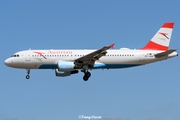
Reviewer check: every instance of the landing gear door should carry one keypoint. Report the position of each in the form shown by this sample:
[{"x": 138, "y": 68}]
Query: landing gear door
[{"x": 28, "y": 56}]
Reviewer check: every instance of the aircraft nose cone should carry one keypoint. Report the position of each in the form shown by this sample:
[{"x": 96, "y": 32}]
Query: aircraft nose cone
[{"x": 7, "y": 62}]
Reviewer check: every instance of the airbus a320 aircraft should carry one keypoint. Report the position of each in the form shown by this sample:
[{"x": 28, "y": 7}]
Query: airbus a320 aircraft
[{"x": 68, "y": 62}]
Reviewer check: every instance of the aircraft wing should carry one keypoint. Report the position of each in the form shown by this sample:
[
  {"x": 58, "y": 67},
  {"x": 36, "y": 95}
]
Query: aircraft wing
[
  {"x": 165, "y": 53},
  {"x": 90, "y": 58}
]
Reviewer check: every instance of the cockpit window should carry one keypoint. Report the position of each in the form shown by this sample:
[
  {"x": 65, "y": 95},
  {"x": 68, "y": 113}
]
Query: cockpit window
[{"x": 15, "y": 55}]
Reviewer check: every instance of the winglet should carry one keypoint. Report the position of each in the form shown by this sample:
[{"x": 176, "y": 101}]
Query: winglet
[{"x": 112, "y": 46}]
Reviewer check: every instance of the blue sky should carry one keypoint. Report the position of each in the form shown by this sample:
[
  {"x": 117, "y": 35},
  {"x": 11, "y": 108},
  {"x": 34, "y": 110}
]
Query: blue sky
[{"x": 149, "y": 92}]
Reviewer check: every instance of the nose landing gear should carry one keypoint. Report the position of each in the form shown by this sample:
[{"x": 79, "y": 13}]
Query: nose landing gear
[{"x": 28, "y": 72}]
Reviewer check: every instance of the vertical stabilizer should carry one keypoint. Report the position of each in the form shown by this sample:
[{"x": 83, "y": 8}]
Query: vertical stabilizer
[{"x": 161, "y": 39}]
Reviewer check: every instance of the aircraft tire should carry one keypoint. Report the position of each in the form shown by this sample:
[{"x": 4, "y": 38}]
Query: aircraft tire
[
  {"x": 85, "y": 78},
  {"x": 88, "y": 74},
  {"x": 27, "y": 76}
]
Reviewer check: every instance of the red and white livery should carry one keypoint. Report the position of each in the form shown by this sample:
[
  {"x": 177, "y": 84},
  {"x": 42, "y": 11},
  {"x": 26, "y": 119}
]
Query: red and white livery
[{"x": 68, "y": 62}]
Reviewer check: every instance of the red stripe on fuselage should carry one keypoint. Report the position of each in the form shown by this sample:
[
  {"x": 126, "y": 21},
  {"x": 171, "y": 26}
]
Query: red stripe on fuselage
[{"x": 154, "y": 46}]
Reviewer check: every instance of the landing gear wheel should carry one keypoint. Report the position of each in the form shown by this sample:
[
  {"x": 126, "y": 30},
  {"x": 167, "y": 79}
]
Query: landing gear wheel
[
  {"x": 28, "y": 72},
  {"x": 85, "y": 78},
  {"x": 88, "y": 74},
  {"x": 27, "y": 76}
]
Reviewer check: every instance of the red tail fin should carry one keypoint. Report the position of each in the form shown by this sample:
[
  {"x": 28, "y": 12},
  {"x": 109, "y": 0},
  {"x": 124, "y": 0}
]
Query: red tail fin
[{"x": 161, "y": 39}]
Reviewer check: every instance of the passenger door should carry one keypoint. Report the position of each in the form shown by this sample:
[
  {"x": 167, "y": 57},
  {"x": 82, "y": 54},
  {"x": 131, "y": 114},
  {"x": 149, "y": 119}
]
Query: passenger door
[{"x": 28, "y": 56}]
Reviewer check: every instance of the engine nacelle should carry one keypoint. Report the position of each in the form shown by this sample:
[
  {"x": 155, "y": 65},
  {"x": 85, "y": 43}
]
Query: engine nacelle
[
  {"x": 65, "y": 73},
  {"x": 65, "y": 66}
]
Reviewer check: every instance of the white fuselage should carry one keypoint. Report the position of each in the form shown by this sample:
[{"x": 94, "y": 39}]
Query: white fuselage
[
  {"x": 68, "y": 62},
  {"x": 48, "y": 59}
]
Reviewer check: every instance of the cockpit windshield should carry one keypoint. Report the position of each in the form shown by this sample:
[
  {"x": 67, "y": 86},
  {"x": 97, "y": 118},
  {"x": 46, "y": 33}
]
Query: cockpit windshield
[{"x": 15, "y": 55}]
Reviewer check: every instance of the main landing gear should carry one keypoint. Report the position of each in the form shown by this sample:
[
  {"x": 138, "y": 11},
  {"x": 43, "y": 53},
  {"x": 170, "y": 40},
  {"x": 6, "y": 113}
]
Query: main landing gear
[
  {"x": 28, "y": 72},
  {"x": 86, "y": 75}
]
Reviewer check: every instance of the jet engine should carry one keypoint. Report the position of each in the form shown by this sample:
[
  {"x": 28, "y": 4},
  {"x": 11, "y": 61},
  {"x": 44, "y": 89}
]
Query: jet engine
[
  {"x": 65, "y": 66},
  {"x": 65, "y": 73}
]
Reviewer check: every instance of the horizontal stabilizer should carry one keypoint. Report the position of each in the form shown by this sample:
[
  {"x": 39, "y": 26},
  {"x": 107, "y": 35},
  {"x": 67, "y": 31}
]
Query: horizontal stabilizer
[{"x": 164, "y": 53}]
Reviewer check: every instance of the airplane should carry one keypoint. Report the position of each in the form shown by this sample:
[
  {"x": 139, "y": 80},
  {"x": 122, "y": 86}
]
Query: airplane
[{"x": 68, "y": 62}]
